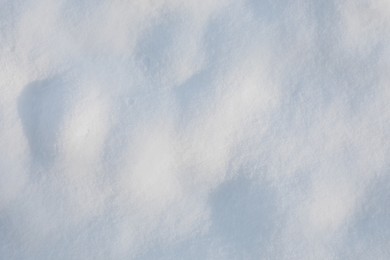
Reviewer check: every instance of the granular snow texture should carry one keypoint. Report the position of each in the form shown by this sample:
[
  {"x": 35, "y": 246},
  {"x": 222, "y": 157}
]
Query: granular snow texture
[{"x": 194, "y": 129}]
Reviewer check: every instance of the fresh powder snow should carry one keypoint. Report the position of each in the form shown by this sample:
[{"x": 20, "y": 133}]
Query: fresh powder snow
[{"x": 194, "y": 129}]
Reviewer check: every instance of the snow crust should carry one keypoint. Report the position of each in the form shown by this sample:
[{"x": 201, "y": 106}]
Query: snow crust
[{"x": 215, "y": 129}]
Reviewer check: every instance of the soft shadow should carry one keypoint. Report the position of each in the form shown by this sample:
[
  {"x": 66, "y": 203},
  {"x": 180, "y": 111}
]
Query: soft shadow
[
  {"x": 243, "y": 215},
  {"x": 41, "y": 107}
]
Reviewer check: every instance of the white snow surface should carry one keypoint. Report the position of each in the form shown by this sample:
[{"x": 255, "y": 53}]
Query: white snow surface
[{"x": 194, "y": 129}]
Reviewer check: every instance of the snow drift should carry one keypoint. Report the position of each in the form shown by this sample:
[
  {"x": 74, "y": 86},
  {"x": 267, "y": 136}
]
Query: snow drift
[{"x": 218, "y": 129}]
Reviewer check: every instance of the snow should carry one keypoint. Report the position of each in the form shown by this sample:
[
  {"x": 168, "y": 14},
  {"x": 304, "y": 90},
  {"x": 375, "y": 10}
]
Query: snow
[{"x": 216, "y": 129}]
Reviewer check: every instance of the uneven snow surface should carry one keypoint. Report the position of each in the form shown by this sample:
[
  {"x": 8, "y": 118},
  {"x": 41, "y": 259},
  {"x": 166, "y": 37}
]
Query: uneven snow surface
[{"x": 194, "y": 129}]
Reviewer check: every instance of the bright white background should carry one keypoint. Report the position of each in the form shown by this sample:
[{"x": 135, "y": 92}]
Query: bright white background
[{"x": 212, "y": 129}]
